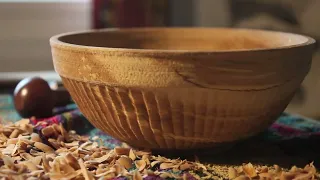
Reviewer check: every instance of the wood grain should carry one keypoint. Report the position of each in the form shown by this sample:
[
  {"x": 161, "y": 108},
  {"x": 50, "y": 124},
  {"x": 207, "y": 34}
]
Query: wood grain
[{"x": 181, "y": 88}]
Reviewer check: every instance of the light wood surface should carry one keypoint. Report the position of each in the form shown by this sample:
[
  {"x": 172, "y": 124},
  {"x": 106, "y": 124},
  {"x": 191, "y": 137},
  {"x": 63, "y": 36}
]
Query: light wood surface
[{"x": 181, "y": 88}]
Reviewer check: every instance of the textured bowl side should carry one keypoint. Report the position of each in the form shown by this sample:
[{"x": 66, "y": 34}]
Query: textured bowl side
[
  {"x": 181, "y": 99},
  {"x": 181, "y": 118}
]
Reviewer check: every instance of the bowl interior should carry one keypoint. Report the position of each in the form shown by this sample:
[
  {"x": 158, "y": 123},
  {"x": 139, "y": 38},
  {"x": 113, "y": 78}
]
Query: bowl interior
[{"x": 203, "y": 39}]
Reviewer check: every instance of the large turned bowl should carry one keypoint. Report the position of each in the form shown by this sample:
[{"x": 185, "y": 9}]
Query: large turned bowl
[{"x": 181, "y": 88}]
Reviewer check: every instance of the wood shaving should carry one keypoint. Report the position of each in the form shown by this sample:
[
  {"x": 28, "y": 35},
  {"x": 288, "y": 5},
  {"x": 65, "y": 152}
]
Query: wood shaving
[{"x": 58, "y": 154}]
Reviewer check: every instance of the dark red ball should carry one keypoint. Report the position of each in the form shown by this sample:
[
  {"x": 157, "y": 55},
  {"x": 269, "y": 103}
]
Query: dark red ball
[{"x": 33, "y": 97}]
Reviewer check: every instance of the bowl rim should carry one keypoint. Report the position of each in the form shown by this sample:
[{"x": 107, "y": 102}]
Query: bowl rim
[{"x": 56, "y": 42}]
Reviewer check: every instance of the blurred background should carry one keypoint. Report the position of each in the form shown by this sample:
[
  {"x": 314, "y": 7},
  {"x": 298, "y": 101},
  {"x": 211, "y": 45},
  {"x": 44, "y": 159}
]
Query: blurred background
[{"x": 27, "y": 25}]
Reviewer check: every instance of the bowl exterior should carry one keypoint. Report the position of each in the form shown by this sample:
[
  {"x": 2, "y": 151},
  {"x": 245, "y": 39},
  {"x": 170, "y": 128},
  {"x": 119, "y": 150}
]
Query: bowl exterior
[
  {"x": 181, "y": 118},
  {"x": 181, "y": 100}
]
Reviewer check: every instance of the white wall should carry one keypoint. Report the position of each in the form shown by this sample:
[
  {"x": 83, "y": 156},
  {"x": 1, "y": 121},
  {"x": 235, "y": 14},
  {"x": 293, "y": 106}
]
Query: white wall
[{"x": 26, "y": 26}]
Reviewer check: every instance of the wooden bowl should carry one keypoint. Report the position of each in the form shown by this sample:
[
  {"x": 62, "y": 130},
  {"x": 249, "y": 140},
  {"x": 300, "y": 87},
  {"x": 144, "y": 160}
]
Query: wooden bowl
[{"x": 181, "y": 88}]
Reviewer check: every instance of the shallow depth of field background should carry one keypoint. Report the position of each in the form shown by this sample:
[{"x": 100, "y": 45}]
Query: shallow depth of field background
[{"x": 26, "y": 26}]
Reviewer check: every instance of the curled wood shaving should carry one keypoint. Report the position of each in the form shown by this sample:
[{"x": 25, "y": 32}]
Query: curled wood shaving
[
  {"x": 232, "y": 173},
  {"x": 249, "y": 170},
  {"x": 15, "y": 133},
  {"x": 137, "y": 176},
  {"x": 35, "y": 137},
  {"x": 49, "y": 131},
  {"x": 141, "y": 164},
  {"x": 167, "y": 165},
  {"x": 45, "y": 163},
  {"x": 59, "y": 154},
  {"x": 36, "y": 160},
  {"x": 31, "y": 166},
  {"x": 72, "y": 161},
  {"x": 8, "y": 162},
  {"x": 122, "y": 151},
  {"x": 132, "y": 155},
  {"x": 126, "y": 162},
  {"x": 86, "y": 174},
  {"x": 43, "y": 147}
]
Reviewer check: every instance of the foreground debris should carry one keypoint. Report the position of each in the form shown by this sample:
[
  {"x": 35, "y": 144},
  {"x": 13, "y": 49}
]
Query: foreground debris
[{"x": 54, "y": 153}]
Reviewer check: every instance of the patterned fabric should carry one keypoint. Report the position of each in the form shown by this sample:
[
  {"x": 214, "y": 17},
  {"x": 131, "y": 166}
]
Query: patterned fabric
[
  {"x": 291, "y": 126},
  {"x": 7, "y": 110},
  {"x": 286, "y": 127}
]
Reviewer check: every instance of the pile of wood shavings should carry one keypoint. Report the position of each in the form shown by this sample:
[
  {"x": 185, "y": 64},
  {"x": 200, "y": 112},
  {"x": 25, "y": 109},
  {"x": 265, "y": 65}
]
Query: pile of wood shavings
[{"x": 55, "y": 153}]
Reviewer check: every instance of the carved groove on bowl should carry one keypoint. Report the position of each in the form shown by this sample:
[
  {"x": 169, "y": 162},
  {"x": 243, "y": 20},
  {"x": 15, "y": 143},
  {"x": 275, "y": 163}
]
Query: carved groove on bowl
[{"x": 178, "y": 119}]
